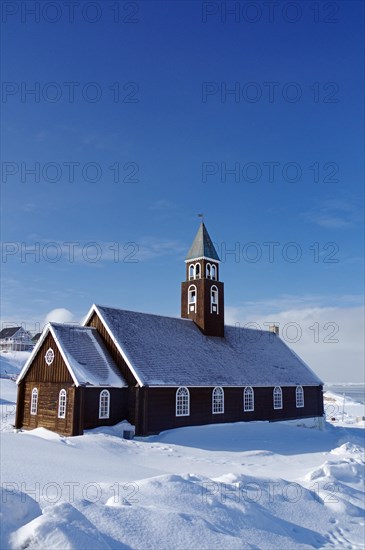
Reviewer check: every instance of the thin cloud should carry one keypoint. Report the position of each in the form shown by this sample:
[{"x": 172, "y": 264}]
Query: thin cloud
[
  {"x": 333, "y": 214},
  {"x": 96, "y": 253},
  {"x": 329, "y": 339},
  {"x": 151, "y": 248}
]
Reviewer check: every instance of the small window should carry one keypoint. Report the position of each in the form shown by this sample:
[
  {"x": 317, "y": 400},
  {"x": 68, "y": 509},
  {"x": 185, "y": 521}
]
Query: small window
[
  {"x": 62, "y": 404},
  {"x": 218, "y": 401},
  {"x": 208, "y": 271},
  {"x": 197, "y": 271},
  {"x": 192, "y": 299},
  {"x": 299, "y": 397},
  {"x": 214, "y": 272},
  {"x": 191, "y": 271},
  {"x": 104, "y": 404},
  {"x": 182, "y": 402},
  {"x": 278, "y": 398},
  {"x": 49, "y": 357},
  {"x": 248, "y": 399},
  {"x": 214, "y": 299},
  {"x": 34, "y": 401}
]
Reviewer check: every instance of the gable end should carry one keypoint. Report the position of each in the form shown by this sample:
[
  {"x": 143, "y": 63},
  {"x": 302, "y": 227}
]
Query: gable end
[
  {"x": 37, "y": 369},
  {"x": 94, "y": 319}
]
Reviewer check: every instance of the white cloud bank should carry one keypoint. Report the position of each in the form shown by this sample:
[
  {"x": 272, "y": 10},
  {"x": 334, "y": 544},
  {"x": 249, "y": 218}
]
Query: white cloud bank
[
  {"x": 329, "y": 339},
  {"x": 59, "y": 315}
]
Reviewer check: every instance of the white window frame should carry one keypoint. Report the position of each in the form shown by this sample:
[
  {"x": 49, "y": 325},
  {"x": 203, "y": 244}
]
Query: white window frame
[
  {"x": 62, "y": 403},
  {"x": 197, "y": 273},
  {"x": 49, "y": 356},
  {"x": 192, "y": 304},
  {"x": 248, "y": 399},
  {"x": 278, "y": 398},
  {"x": 208, "y": 271},
  {"x": 182, "y": 404},
  {"x": 104, "y": 410},
  {"x": 218, "y": 400},
  {"x": 191, "y": 272},
  {"x": 214, "y": 289},
  {"x": 34, "y": 402},
  {"x": 299, "y": 397},
  {"x": 214, "y": 272}
]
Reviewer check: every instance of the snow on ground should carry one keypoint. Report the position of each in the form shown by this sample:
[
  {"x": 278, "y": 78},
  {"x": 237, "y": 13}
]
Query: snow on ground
[
  {"x": 257, "y": 485},
  {"x": 343, "y": 410},
  {"x": 11, "y": 363}
]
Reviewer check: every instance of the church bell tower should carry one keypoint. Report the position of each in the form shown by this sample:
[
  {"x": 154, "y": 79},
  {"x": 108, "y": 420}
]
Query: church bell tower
[{"x": 202, "y": 294}]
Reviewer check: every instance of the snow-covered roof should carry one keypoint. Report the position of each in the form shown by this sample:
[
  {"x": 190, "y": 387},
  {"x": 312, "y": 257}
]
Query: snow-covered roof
[
  {"x": 202, "y": 246},
  {"x": 85, "y": 355},
  {"x": 9, "y": 332},
  {"x": 164, "y": 351}
]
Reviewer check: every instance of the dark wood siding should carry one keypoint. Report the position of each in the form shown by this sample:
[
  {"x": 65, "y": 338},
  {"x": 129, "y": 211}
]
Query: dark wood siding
[
  {"x": 119, "y": 401},
  {"x": 19, "y": 414},
  {"x": 160, "y": 407},
  {"x": 47, "y": 412},
  {"x": 49, "y": 381},
  {"x": 56, "y": 372},
  {"x": 94, "y": 321}
]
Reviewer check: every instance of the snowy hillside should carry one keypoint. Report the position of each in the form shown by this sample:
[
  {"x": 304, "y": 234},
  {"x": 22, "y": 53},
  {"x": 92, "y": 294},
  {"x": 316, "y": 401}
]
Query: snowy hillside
[
  {"x": 11, "y": 363},
  {"x": 257, "y": 485}
]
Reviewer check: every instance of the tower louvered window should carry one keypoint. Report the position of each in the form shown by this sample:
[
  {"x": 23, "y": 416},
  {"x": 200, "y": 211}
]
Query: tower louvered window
[
  {"x": 192, "y": 299},
  {"x": 214, "y": 299}
]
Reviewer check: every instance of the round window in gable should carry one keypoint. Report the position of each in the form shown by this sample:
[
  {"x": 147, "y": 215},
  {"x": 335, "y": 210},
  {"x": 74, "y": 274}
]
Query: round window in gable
[{"x": 49, "y": 356}]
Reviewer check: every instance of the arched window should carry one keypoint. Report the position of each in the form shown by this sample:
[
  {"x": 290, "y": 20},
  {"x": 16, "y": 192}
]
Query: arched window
[
  {"x": 214, "y": 299},
  {"x": 34, "y": 401},
  {"x": 208, "y": 271},
  {"x": 197, "y": 271},
  {"x": 62, "y": 404},
  {"x": 248, "y": 399},
  {"x": 278, "y": 398},
  {"x": 192, "y": 298},
  {"x": 191, "y": 271},
  {"x": 104, "y": 404},
  {"x": 182, "y": 402},
  {"x": 214, "y": 272},
  {"x": 299, "y": 397},
  {"x": 218, "y": 401}
]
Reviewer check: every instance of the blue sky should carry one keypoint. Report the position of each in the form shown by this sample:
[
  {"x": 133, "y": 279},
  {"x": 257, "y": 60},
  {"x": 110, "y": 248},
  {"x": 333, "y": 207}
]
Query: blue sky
[{"x": 161, "y": 114}]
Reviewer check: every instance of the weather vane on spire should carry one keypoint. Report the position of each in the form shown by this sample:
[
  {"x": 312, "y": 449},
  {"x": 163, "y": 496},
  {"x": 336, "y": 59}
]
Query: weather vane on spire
[{"x": 201, "y": 216}]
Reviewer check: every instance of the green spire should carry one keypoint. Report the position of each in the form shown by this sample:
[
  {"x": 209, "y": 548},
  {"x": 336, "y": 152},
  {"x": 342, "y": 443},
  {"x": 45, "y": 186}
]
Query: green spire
[{"x": 202, "y": 246}]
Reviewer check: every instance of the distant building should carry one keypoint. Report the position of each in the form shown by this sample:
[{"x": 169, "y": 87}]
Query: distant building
[
  {"x": 36, "y": 338},
  {"x": 161, "y": 372},
  {"x": 15, "y": 339}
]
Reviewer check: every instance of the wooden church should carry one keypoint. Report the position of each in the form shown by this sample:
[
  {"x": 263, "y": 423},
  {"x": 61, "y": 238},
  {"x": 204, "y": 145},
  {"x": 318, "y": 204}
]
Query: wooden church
[{"x": 161, "y": 372}]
